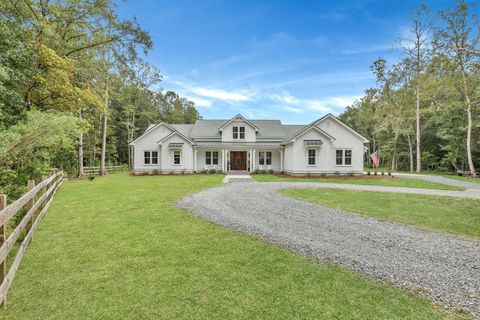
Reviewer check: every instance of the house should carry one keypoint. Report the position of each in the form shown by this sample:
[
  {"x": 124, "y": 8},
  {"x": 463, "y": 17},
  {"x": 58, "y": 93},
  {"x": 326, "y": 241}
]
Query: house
[{"x": 325, "y": 146}]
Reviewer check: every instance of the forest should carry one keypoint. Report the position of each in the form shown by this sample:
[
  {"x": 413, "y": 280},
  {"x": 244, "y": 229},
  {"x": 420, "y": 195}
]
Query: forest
[
  {"x": 75, "y": 88},
  {"x": 423, "y": 113}
]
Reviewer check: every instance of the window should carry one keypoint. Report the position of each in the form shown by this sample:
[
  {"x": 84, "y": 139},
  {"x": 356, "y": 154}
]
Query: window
[
  {"x": 211, "y": 157},
  {"x": 261, "y": 158},
  {"x": 235, "y": 132},
  {"x": 312, "y": 157},
  {"x": 150, "y": 157},
  {"x": 265, "y": 158},
  {"x": 242, "y": 132},
  {"x": 176, "y": 157},
  {"x": 343, "y": 157},
  {"x": 348, "y": 157},
  {"x": 238, "y": 132},
  {"x": 339, "y": 157}
]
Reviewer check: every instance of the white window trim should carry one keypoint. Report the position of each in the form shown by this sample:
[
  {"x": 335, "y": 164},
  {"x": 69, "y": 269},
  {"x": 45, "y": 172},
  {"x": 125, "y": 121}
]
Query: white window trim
[
  {"x": 265, "y": 158},
  {"x": 173, "y": 158},
  {"x": 343, "y": 158},
  {"x": 212, "y": 157},
  {"x": 151, "y": 164},
  {"x": 238, "y": 133},
  {"x": 316, "y": 157}
]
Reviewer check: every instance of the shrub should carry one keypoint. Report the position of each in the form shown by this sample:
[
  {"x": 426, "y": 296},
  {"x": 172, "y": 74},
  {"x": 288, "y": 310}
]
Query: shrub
[
  {"x": 368, "y": 173},
  {"x": 270, "y": 171},
  {"x": 212, "y": 171},
  {"x": 389, "y": 173},
  {"x": 383, "y": 173},
  {"x": 375, "y": 172},
  {"x": 91, "y": 177},
  {"x": 155, "y": 171}
]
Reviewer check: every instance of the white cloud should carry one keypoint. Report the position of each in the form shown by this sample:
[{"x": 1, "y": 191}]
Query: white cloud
[
  {"x": 200, "y": 102},
  {"x": 220, "y": 94},
  {"x": 327, "y": 104}
]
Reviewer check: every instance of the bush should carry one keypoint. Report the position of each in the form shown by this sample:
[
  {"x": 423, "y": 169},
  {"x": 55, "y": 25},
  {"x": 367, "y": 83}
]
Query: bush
[
  {"x": 389, "y": 173},
  {"x": 368, "y": 173},
  {"x": 270, "y": 171},
  {"x": 155, "y": 171},
  {"x": 212, "y": 171},
  {"x": 375, "y": 173},
  {"x": 383, "y": 173},
  {"x": 91, "y": 177}
]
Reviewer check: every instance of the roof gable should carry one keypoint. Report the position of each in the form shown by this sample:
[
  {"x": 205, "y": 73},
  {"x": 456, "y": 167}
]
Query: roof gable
[
  {"x": 341, "y": 123},
  {"x": 237, "y": 118},
  {"x": 150, "y": 129},
  {"x": 307, "y": 128}
]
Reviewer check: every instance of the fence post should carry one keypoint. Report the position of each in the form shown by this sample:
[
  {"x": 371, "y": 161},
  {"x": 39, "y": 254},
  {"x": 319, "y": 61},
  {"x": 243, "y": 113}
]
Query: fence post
[
  {"x": 42, "y": 192},
  {"x": 3, "y": 236},
  {"x": 29, "y": 205}
]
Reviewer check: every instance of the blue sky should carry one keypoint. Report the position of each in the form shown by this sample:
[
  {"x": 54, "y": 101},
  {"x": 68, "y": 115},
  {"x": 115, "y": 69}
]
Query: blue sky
[{"x": 288, "y": 60}]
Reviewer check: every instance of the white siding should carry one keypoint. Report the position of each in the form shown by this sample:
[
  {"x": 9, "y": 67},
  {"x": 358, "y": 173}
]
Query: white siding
[
  {"x": 296, "y": 154},
  {"x": 186, "y": 158},
  {"x": 149, "y": 142},
  {"x": 201, "y": 165},
  {"x": 275, "y": 166},
  {"x": 227, "y": 132}
]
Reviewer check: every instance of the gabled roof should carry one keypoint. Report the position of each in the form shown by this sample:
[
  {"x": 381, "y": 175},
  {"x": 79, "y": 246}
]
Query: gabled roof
[
  {"x": 267, "y": 130},
  {"x": 235, "y": 118},
  {"x": 306, "y": 128},
  {"x": 174, "y": 132},
  {"x": 331, "y": 116}
]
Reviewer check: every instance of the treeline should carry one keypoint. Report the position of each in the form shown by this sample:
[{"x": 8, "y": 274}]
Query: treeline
[
  {"x": 423, "y": 113},
  {"x": 74, "y": 89}
]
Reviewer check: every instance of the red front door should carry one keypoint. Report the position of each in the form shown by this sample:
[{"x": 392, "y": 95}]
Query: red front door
[{"x": 238, "y": 160}]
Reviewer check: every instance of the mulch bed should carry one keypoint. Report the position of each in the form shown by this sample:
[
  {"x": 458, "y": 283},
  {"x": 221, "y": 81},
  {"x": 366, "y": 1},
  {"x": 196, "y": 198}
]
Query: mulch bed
[{"x": 364, "y": 176}]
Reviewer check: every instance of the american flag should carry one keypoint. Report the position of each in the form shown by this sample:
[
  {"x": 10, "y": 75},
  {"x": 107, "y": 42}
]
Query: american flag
[{"x": 375, "y": 159}]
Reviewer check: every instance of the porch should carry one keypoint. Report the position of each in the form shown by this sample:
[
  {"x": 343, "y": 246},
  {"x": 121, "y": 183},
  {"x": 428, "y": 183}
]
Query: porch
[{"x": 238, "y": 160}]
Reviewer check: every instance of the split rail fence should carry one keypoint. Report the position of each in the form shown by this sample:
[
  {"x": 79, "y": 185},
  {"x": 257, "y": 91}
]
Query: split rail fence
[
  {"x": 36, "y": 202},
  {"x": 96, "y": 170}
]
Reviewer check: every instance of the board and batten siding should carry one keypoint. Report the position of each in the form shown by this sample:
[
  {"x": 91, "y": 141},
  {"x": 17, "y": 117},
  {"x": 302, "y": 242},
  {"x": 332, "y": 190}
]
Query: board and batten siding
[
  {"x": 149, "y": 142},
  {"x": 227, "y": 135}
]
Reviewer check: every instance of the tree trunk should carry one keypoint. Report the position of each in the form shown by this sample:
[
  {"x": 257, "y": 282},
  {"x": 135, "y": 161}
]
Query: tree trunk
[
  {"x": 469, "y": 126},
  {"x": 104, "y": 133},
  {"x": 80, "y": 151},
  {"x": 104, "y": 145},
  {"x": 130, "y": 134},
  {"x": 418, "y": 136},
  {"x": 410, "y": 150}
]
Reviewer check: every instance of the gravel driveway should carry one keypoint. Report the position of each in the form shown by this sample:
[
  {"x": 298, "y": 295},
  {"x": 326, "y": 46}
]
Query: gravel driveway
[{"x": 446, "y": 268}]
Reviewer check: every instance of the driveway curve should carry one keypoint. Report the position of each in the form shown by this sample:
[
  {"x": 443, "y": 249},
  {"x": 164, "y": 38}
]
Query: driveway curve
[{"x": 445, "y": 268}]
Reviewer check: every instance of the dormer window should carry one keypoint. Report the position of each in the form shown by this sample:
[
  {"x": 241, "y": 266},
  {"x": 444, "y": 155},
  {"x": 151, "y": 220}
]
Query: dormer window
[{"x": 238, "y": 132}]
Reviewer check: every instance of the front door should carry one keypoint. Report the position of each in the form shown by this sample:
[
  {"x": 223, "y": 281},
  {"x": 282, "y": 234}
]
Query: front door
[{"x": 238, "y": 160}]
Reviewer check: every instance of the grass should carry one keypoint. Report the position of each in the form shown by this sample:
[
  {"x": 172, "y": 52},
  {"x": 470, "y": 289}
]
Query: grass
[
  {"x": 466, "y": 179},
  {"x": 118, "y": 248},
  {"x": 390, "y": 182},
  {"x": 448, "y": 214}
]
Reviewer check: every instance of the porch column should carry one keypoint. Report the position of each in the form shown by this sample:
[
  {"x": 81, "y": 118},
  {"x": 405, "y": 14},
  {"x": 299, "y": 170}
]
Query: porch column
[
  {"x": 281, "y": 159},
  {"x": 195, "y": 160},
  {"x": 223, "y": 159}
]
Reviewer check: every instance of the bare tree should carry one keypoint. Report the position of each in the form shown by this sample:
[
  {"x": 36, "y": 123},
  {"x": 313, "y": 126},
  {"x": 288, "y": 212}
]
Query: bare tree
[{"x": 418, "y": 49}]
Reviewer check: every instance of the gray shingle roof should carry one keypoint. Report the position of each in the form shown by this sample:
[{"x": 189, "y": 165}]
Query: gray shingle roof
[{"x": 209, "y": 129}]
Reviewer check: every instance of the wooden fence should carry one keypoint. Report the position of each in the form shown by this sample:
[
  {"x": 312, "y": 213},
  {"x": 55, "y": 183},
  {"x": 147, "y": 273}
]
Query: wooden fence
[
  {"x": 96, "y": 170},
  {"x": 36, "y": 201}
]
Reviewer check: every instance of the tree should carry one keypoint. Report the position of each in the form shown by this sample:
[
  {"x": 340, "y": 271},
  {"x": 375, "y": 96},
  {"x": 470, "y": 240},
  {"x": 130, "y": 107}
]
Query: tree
[
  {"x": 455, "y": 38},
  {"x": 418, "y": 50}
]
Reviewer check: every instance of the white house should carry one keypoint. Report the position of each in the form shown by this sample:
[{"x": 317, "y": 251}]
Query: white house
[{"x": 325, "y": 146}]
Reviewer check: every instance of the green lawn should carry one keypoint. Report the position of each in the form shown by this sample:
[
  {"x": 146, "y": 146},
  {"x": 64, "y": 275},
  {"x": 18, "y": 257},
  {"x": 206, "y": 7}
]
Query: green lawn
[
  {"x": 118, "y": 248},
  {"x": 390, "y": 182},
  {"x": 466, "y": 179},
  {"x": 454, "y": 215}
]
